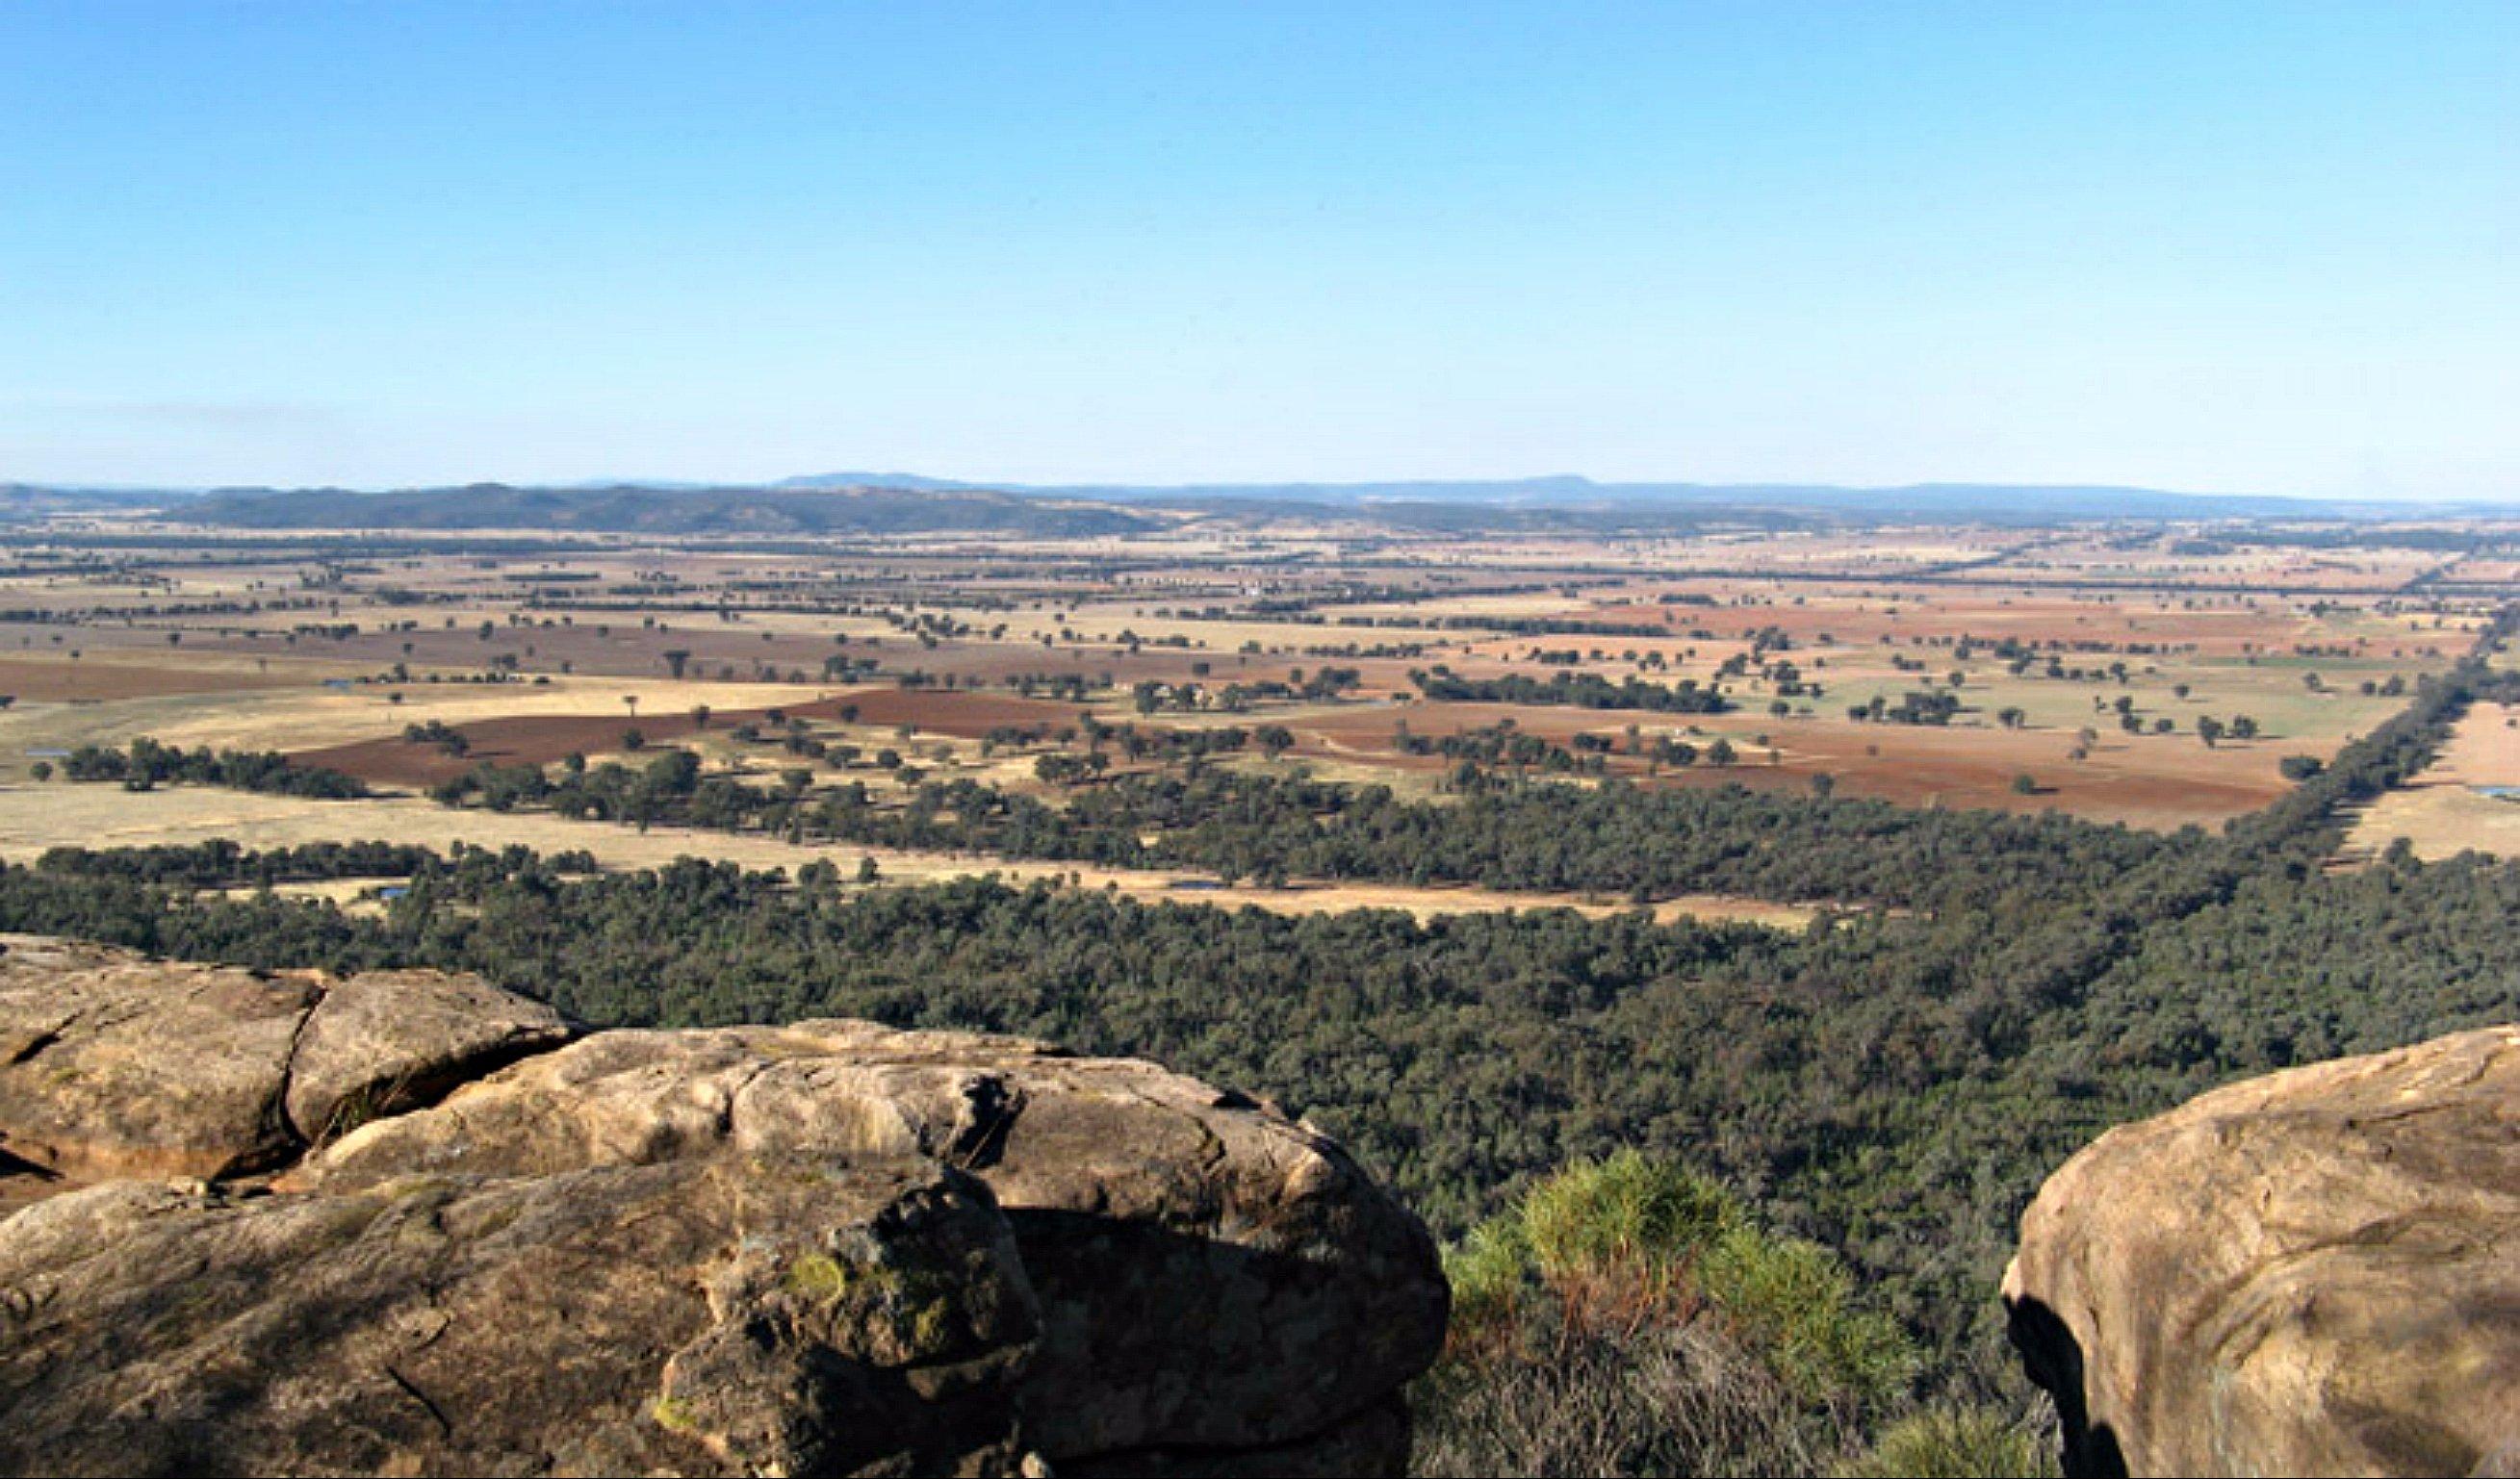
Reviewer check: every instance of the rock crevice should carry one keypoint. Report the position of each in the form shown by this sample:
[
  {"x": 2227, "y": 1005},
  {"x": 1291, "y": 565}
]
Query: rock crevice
[{"x": 123, "y": 1066}]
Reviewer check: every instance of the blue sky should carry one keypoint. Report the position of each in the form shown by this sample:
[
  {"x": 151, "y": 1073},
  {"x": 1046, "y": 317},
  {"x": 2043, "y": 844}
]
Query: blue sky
[{"x": 2216, "y": 247}]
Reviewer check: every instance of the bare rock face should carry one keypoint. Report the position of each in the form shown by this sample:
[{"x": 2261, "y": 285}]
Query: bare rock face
[
  {"x": 823, "y": 1248},
  {"x": 387, "y": 1041},
  {"x": 1211, "y": 1275},
  {"x": 2311, "y": 1272},
  {"x": 113, "y": 1064},
  {"x": 683, "y": 1317}
]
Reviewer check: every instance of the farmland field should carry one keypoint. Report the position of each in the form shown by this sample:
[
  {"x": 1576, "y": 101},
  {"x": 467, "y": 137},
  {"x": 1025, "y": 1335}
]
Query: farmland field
[
  {"x": 2467, "y": 799},
  {"x": 2158, "y": 677}
]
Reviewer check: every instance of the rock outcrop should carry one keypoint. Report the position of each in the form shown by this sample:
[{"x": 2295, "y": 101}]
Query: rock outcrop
[
  {"x": 2310, "y": 1273},
  {"x": 629, "y": 1320},
  {"x": 823, "y": 1248},
  {"x": 116, "y": 1065}
]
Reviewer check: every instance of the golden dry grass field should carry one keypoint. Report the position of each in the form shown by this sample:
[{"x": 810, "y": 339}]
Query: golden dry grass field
[{"x": 2453, "y": 806}]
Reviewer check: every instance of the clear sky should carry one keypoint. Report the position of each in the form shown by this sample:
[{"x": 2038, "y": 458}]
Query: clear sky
[{"x": 2210, "y": 247}]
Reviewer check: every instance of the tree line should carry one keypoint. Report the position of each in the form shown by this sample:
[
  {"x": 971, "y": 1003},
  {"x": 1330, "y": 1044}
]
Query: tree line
[
  {"x": 146, "y": 764},
  {"x": 1588, "y": 691}
]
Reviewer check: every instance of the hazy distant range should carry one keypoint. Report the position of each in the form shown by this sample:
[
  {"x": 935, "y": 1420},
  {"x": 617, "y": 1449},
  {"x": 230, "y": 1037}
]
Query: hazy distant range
[{"x": 886, "y": 503}]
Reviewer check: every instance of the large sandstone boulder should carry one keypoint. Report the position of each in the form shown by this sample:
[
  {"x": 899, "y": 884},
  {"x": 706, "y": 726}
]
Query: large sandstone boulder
[
  {"x": 693, "y": 1317},
  {"x": 2312, "y": 1272},
  {"x": 1211, "y": 1275},
  {"x": 823, "y": 1248},
  {"x": 387, "y": 1041},
  {"x": 113, "y": 1064}
]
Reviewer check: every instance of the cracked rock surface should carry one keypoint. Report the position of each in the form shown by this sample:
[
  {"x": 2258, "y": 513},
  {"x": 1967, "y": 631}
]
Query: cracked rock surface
[
  {"x": 113, "y": 1064},
  {"x": 823, "y": 1248},
  {"x": 2311, "y": 1272}
]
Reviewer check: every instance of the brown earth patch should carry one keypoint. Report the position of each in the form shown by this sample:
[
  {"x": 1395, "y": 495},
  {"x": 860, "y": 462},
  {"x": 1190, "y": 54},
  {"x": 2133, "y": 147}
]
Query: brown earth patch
[
  {"x": 942, "y": 711},
  {"x": 546, "y": 738},
  {"x": 61, "y": 681},
  {"x": 2161, "y": 783}
]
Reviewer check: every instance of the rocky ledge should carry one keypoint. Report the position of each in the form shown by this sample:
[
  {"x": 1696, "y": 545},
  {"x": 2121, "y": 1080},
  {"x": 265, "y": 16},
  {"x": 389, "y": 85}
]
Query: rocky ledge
[
  {"x": 415, "y": 1230},
  {"x": 2304, "y": 1274}
]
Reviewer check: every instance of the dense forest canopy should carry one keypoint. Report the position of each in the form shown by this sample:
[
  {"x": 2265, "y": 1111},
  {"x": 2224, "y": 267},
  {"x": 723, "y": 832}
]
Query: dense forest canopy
[{"x": 1499, "y": 834}]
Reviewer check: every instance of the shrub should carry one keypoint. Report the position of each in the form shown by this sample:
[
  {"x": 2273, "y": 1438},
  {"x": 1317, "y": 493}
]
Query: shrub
[
  {"x": 1799, "y": 1304},
  {"x": 1957, "y": 1443},
  {"x": 1626, "y": 1216},
  {"x": 1628, "y": 1316}
]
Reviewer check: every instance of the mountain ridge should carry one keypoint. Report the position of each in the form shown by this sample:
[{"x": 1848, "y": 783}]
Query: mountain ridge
[{"x": 868, "y": 501}]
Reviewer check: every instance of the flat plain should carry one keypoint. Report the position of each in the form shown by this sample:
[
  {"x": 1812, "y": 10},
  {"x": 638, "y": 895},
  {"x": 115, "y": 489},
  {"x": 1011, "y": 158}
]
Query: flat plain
[{"x": 2157, "y": 675}]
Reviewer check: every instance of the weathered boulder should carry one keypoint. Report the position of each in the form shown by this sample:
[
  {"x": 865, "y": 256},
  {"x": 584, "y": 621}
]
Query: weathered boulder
[
  {"x": 1211, "y": 1275},
  {"x": 823, "y": 1248},
  {"x": 114, "y": 1065},
  {"x": 385, "y": 1041},
  {"x": 693, "y": 1317},
  {"x": 2311, "y": 1272}
]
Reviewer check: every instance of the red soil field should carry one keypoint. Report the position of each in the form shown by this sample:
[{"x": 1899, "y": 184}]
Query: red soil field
[
  {"x": 66, "y": 682},
  {"x": 942, "y": 711},
  {"x": 544, "y": 738},
  {"x": 527, "y": 739},
  {"x": 2162, "y": 785}
]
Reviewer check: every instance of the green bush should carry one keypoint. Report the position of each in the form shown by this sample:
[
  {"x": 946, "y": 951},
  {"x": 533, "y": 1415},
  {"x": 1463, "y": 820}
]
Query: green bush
[
  {"x": 1627, "y": 1213},
  {"x": 1630, "y": 1317},
  {"x": 1798, "y": 1304},
  {"x": 1957, "y": 1443}
]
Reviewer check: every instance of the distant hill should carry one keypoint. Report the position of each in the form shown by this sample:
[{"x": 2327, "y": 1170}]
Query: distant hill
[
  {"x": 909, "y": 503},
  {"x": 829, "y": 506},
  {"x": 643, "y": 509},
  {"x": 2014, "y": 503},
  {"x": 41, "y": 500}
]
